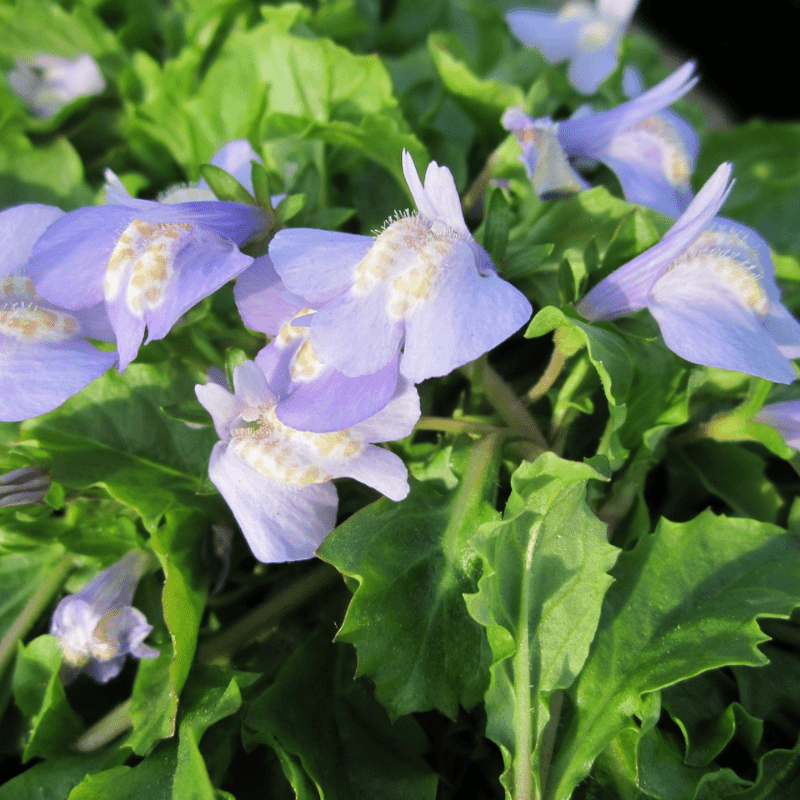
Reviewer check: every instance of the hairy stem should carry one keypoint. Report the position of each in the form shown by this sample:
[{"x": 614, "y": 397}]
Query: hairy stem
[
  {"x": 450, "y": 425},
  {"x": 116, "y": 722},
  {"x": 551, "y": 373}
]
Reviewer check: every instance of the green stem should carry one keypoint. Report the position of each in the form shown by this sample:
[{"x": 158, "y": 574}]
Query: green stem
[
  {"x": 478, "y": 188},
  {"x": 507, "y": 404},
  {"x": 450, "y": 425},
  {"x": 551, "y": 373},
  {"x": 37, "y": 603},
  {"x": 113, "y": 724},
  {"x": 257, "y": 622}
]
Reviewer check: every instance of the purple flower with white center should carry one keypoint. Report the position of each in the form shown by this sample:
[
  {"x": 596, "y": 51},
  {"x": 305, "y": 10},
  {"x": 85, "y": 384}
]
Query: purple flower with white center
[
  {"x": 785, "y": 418},
  {"x": 98, "y": 628},
  {"x": 150, "y": 262},
  {"x": 48, "y": 83},
  {"x": 587, "y": 35},
  {"x": 423, "y": 285},
  {"x": 311, "y": 395},
  {"x": 710, "y": 284},
  {"x": 651, "y": 152},
  {"x": 276, "y": 479},
  {"x": 44, "y": 358}
]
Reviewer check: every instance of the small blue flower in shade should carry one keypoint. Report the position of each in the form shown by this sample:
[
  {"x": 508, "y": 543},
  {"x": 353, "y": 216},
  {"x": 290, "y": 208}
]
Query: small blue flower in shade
[
  {"x": 98, "y": 628},
  {"x": 311, "y": 396},
  {"x": 44, "y": 358},
  {"x": 710, "y": 284},
  {"x": 423, "y": 285},
  {"x": 277, "y": 480},
  {"x": 586, "y": 35},
  {"x": 785, "y": 418},
  {"x": 48, "y": 83},
  {"x": 652, "y": 152},
  {"x": 149, "y": 261}
]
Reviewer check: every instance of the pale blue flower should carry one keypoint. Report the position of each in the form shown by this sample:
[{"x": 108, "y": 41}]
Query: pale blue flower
[
  {"x": 98, "y": 628},
  {"x": 710, "y": 284},
  {"x": 423, "y": 285},
  {"x": 585, "y": 34},
  {"x": 48, "y": 82},
  {"x": 311, "y": 396},
  {"x": 148, "y": 261},
  {"x": 277, "y": 480},
  {"x": 44, "y": 355},
  {"x": 652, "y": 152},
  {"x": 785, "y": 418}
]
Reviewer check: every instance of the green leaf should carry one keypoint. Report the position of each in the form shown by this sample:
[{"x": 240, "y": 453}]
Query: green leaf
[
  {"x": 685, "y": 600},
  {"x": 644, "y": 382},
  {"x": 40, "y": 695},
  {"x": 766, "y": 194},
  {"x": 496, "y": 226},
  {"x": 55, "y": 778},
  {"x": 486, "y": 99},
  {"x": 329, "y": 730},
  {"x": 225, "y": 186},
  {"x": 413, "y": 561},
  {"x": 735, "y": 475},
  {"x": 113, "y": 434},
  {"x": 546, "y": 571},
  {"x": 51, "y": 174},
  {"x": 154, "y": 708}
]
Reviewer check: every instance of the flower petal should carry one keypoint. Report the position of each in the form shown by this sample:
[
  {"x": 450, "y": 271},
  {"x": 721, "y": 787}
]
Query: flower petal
[
  {"x": 466, "y": 315},
  {"x": 317, "y": 265},
  {"x": 263, "y": 301},
  {"x": 281, "y": 521},
  {"x": 705, "y": 322},
  {"x": 20, "y": 227}
]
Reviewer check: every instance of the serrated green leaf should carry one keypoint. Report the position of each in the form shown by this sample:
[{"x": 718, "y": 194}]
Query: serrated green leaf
[
  {"x": 414, "y": 562},
  {"x": 685, "y": 600},
  {"x": 317, "y": 716},
  {"x": 545, "y": 574}
]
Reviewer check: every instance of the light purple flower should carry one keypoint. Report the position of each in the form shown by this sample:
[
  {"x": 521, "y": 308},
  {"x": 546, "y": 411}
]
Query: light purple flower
[
  {"x": 97, "y": 627},
  {"x": 48, "y": 83},
  {"x": 150, "y": 262},
  {"x": 311, "y": 396},
  {"x": 651, "y": 152},
  {"x": 587, "y": 35},
  {"x": 44, "y": 358},
  {"x": 710, "y": 284},
  {"x": 423, "y": 285},
  {"x": 276, "y": 479},
  {"x": 785, "y": 418}
]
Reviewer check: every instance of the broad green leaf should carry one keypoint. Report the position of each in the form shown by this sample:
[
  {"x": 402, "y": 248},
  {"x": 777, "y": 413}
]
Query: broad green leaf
[
  {"x": 177, "y": 543},
  {"x": 766, "y": 194},
  {"x": 702, "y": 709},
  {"x": 55, "y": 778},
  {"x": 40, "y": 695},
  {"x": 487, "y": 99},
  {"x": 770, "y": 691},
  {"x": 685, "y": 600},
  {"x": 114, "y": 435},
  {"x": 414, "y": 561},
  {"x": 545, "y": 574},
  {"x": 51, "y": 174},
  {"x": 330, "y": 731},
  {"x": 735, "y": 475}
]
